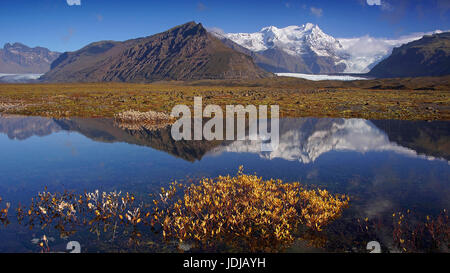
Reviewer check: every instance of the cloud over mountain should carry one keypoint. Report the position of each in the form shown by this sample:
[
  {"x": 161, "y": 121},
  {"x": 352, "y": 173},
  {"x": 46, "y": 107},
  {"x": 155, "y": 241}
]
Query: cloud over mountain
[{"x": 316, "y": 11}]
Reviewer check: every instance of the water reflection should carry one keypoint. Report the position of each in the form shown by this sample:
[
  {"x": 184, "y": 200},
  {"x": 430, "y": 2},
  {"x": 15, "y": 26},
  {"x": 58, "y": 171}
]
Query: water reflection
[
  {"x": 384, "y": 165},
  {"x": 21, "y": 128},
  {"x": 301, "y": 139},
  {"x": 307, "y": 139}
]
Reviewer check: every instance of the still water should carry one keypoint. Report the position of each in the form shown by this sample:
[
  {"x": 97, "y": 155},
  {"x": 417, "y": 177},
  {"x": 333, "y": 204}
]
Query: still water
[{"x": 385, "y": 166}]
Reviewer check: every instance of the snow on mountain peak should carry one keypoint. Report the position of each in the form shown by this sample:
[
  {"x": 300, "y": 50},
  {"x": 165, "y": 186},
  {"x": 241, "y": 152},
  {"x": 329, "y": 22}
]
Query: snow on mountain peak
[
  {"x": 309, "y": 26},
  {"x": 294, "y": 40}
]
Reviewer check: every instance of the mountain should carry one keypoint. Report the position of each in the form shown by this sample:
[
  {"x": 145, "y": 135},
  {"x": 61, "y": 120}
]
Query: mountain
[
  {"x": 366, "y": 51},
  {"x": 429, "y": 56},
  {"x": 185, "y": 52},
  {"x": 307, "y": 49},
  {"x": 297, "y": 49},
  {"x": 20, "y": 59}
]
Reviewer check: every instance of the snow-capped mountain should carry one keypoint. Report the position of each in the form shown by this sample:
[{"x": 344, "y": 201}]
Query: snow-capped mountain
[
  {"x": 312, "y": 49},
  {"x": 307, "y": 49},
  {"x": 294, "y": 40}
]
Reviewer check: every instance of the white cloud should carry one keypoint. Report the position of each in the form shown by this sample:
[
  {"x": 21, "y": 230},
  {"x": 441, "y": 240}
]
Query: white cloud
[
  {"x": 73, "y": 2},
  {"x": 384, "y": 5},
  {"x": 374, "y": 2},
  {"x": 316, "y": 11}
]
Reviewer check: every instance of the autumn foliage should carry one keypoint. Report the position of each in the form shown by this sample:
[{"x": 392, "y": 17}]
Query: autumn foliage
[{"x": 247, "y": 212}]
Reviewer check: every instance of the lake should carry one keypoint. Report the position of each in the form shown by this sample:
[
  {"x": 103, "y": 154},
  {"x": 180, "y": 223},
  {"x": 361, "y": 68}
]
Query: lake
[{"x": 385, "y": 166}]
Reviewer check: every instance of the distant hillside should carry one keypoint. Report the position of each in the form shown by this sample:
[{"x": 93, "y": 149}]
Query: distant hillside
[
  {"x": 429, "y": 56},
  {"x": 185, "y": 52},
  {"x": 20, "y": 59}
]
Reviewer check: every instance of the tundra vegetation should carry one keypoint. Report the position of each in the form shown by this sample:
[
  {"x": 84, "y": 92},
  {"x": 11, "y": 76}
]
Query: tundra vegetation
[
  {"x": 409, "y": 231},
  {"x": 135, "y": 120},
  {"x": 247, "y": 212},
  {"x": 406, "y": 99}
]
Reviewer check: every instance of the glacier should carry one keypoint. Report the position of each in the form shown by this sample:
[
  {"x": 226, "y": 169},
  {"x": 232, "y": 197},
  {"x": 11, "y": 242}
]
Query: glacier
[
  {"x": 18, "y": 78},
  {"x": 316, "y": 77}
]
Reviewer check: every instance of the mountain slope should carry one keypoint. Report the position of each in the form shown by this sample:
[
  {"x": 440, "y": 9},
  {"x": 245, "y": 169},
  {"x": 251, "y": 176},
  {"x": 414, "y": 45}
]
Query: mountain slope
[
  {"x": 429, "y": 56},
  {"x": 298, "y": 49},
  {"x": 185, "y": 52},
  {"x": 20, "y": 59}
]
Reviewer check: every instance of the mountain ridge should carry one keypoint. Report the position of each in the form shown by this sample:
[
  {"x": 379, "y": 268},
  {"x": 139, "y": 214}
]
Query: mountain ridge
[
  {"x": 336, "y": 55},
  {"x": 18, "y": 58},
  {"x": 185, "y": 52},
  {"x": 429, "y": 56}
]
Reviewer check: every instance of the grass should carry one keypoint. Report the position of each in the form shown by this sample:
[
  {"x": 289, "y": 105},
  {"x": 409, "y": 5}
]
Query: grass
[{"x": 375, "y": 99}]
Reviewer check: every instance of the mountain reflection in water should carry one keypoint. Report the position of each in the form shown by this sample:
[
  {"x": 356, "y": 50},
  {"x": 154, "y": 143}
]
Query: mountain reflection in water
[
  {"x": 302, "y": 139},
  {"x": 384, "y": 165},
  {"x": 306, "y": 139}
]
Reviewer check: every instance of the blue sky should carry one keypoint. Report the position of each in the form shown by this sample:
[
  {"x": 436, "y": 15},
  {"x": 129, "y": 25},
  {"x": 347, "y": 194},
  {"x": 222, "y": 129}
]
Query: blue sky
[{"x": 66, "y": 25}]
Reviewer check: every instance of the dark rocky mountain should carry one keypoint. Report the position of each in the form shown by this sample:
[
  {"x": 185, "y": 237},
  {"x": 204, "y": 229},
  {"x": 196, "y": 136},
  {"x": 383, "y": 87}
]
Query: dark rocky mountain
[
  {"x": 429, "y": 56},
  {"x": 20, "y": 59},
  {"x": 185, "y": 52}
]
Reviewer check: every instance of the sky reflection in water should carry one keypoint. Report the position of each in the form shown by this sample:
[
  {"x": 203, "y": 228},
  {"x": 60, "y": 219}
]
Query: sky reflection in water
[{"x": 384, "y": 165}]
